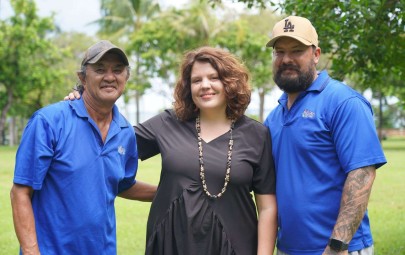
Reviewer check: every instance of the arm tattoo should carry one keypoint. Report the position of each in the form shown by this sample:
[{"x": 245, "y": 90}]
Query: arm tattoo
[{"x": 353, "y": 205}]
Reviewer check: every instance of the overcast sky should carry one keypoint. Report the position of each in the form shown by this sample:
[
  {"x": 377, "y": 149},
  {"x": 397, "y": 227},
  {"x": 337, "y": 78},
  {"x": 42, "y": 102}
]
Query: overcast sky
[{"x": 72, "y": 15}]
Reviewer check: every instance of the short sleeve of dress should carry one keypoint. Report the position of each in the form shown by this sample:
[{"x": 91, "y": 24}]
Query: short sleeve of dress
[
  {"x": 264, "y": 179},
  {"x": 147, "y": 135}
]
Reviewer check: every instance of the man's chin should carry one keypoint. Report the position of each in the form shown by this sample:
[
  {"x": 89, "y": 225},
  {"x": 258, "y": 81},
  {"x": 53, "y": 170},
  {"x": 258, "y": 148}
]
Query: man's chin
[
  {"x": 289, "y": 87},
  {"x": 288, "y": 80}
]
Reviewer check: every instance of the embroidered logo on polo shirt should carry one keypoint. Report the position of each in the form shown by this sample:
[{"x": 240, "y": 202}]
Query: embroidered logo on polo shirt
[
  {"x": 308, "y": 114},
  {"x": 121, "y": 150}
]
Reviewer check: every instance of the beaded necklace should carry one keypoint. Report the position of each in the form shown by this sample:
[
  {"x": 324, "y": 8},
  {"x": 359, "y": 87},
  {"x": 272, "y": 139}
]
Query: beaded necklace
[{"x": 201, "y": 160}]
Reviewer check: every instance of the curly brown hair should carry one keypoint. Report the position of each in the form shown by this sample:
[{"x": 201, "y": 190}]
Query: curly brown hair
[{"x": 232, "y": 73}]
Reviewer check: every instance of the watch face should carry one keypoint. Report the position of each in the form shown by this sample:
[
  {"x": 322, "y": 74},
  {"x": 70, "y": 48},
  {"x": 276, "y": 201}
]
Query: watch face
[{"x": 338, "y": 245}]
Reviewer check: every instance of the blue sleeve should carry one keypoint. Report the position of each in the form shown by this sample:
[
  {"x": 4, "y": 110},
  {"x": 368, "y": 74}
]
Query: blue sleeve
[
  {"x": 131, "y": 164},
  {"x": 355, "y": 137},
  {"x": 35, "y": 153}
]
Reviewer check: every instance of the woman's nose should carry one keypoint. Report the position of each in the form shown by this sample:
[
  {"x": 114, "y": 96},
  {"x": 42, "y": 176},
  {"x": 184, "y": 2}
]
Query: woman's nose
[{"x": 205, "y": 83}]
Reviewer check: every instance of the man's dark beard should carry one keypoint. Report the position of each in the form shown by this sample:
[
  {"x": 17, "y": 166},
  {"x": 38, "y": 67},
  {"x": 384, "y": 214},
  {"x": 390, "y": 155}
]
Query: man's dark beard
[{"x": 294, "y": 85}]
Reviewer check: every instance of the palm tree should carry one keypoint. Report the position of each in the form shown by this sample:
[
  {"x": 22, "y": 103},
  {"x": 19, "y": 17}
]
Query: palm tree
[{"x": 199, "y": 23}]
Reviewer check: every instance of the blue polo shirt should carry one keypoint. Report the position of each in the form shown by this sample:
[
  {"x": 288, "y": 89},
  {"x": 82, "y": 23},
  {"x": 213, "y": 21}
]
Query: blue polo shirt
[
  {"x": 75, "y": 177},
  {"x": 328, "y": 132}
]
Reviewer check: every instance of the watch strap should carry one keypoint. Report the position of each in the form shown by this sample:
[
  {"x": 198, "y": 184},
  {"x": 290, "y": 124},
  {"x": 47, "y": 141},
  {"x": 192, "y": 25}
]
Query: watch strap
[{"x": 338, "y": 245}]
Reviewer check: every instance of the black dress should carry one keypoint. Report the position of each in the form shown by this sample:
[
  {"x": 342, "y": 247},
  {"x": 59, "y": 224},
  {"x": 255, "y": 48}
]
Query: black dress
[{"x": 182, "y": 218}]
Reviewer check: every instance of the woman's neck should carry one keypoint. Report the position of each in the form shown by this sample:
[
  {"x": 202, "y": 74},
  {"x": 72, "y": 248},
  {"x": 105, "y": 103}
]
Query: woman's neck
[
  {"x": 213, "y": 125},
  {"x": 213, "y": 116}
]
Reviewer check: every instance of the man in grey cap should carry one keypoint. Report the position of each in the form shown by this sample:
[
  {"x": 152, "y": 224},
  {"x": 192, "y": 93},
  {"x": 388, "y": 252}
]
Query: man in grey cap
[
  {"x": 75, "y": 157},
  {"x": 325, "y": 148}
]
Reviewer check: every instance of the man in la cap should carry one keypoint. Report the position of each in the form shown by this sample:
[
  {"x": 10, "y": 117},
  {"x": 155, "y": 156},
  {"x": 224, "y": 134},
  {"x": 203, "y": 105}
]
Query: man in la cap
[
  {"x": 75, "y": 157},
  {"x": 325, "y": 148}
]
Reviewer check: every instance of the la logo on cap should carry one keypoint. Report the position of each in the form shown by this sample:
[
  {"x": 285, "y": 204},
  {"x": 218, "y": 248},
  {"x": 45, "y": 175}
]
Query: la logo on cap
[
  {"x": 295, "y": 27},
  {"x": 288, "y": 26}
]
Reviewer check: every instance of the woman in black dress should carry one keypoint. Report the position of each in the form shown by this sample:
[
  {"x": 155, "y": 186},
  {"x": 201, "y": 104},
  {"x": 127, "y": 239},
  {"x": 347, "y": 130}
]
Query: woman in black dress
[{"x": 213, "y": 157}]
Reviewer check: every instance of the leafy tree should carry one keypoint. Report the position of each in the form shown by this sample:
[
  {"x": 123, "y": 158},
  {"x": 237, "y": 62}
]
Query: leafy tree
[
  {"x": 159, "y": 45},
  {"x": 200, "y": 24},
  {"x": 28, "y": 59},
  {"x": 121, "y": 20},
  {"x": 246, "y": 38},
  {"x": 249, "y": 3}
]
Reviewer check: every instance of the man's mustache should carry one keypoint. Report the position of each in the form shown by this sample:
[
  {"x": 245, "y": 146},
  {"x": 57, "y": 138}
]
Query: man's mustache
[{"x": 289, "y": 67}]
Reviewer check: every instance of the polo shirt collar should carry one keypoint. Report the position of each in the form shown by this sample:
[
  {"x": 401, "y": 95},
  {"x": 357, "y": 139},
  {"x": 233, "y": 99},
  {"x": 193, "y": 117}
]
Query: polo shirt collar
[
  {"x": 320, "y": 82},
  {"x": 81, "y": 111}
]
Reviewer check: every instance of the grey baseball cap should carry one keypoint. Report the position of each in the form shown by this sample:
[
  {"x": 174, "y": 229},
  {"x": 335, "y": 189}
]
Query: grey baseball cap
[{"x": 97, "y": 51}]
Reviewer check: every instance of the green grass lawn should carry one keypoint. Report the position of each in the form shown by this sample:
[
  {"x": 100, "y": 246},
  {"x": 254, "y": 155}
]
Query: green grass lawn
[
  {"x": 387, "y": 203},
  {"x": 386, "y": 207}
]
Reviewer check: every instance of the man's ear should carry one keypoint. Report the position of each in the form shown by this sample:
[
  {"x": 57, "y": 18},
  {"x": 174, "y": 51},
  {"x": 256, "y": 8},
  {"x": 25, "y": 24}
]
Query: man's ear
[
  {"x": 128, "y": 74},
  {"x": 81, "y": 77},
  {"x": 317, "y": 54}
]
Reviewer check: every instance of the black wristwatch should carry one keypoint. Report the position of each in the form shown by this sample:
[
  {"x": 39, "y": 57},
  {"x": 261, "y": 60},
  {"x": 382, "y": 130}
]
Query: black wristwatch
[{"x": 337, "y": 245}]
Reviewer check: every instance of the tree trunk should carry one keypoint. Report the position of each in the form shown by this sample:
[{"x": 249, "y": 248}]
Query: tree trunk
[
  {"x": 12, "y": 134},
  {"x": 137, "y": 98},
  {"x": 3, "y": 115},
  {"x": 137, "y": 95},
  {"x": 380, "y": 117},
  {"x": 261, "y": 104}
]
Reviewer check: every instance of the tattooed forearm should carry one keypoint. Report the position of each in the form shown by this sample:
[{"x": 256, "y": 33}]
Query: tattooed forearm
[{"x": 356, "y": 193}]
